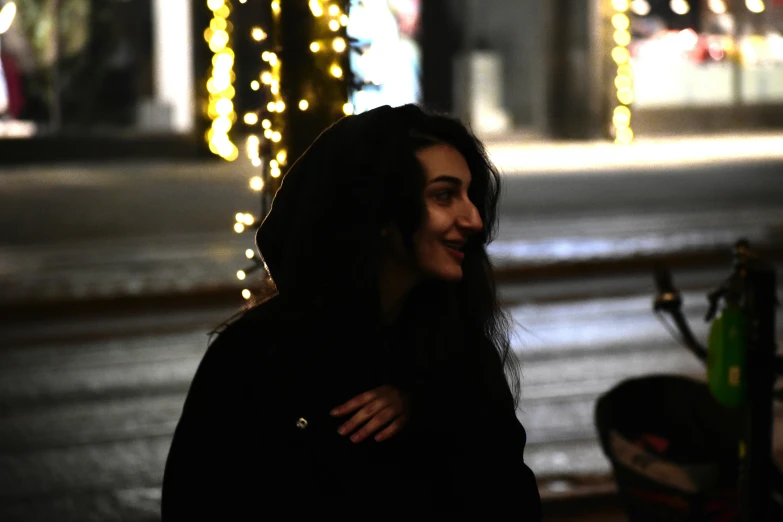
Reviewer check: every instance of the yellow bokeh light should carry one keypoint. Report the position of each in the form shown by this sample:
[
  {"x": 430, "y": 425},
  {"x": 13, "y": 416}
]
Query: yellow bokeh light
[
  {"x": 334, "y": 10},
  {"x": 241, "y": 275},
  {"x": 218, "y": 24},
  {"x": 620, "y": 55},
  {"x": 275, "y": 173},
  {"x": 220, "y": 82},
  {"x": 266, "y": 124},
  {"x": 214, "y": 5},
  {"x": 268, "y": 134},
  {"x": 275, "y": 89},
  {"x": 621, "y": 120},
  {"x": 249, "y": 219},
  {"x": 256, "y": 162},
  {"x": 258, "y": 34},
  {"x": 239, "y": 228},
  {"x": 303, "y": 105},
  {"x": 251, "y": 118},
  {"x": 336, "y": 71},
  {"x": 266, "y": 77},
  {"x": 344, "y": 20},
  {"x": 224, "y": 107},
  {"x": 315, "y": 47},
  {"x": 276, "y": 136},
  {"x": 624, "y": 135},
  {"x": 622, "y": 82},
  {"x": 280, "y": 106},
  {"x": 338, "y": 44},
  {"x": 218, "y": 41},
  {"x": 256, "y": 183},
  {"x": 622, "y": 37},
  {"x": 348, "y": 108},
  {"x": 239, "y": 217},
  {"x": 755, "y": 6},
  {"x": 249, "y": 253},
  {"x": 265, "y": 56},
  {"x": 222, "y": 61},
  {"x": 273, "y": 60},
  {"x": 255, "y": 85},
  {"x": 246, "y": 293},
  {"x": 282, "y": 157},
  {"x": 625, "y": 70},
  {"x": 316, "y": 8},
  {"x": 223, "y": 12},
  {"x": 274, "y": 164},
  {"x": 620, "y": 21},
  {"x": 276, "y": 7},
  {"x": 334, "y": 25},
  {"x": 621, "y": 5},
  {"x": 625, "y": 96},
  {"x": 270, "y": 106},
  {"x": 622, "y": 109},
  {"x": 221, "y": 125}
]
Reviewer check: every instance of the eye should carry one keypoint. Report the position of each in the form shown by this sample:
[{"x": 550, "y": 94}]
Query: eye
[{"x": 444, "y": 195}]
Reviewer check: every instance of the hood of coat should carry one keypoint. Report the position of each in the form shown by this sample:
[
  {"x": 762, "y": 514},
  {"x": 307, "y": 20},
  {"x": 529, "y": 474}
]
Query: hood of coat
[{"x": 333, "y": 202}]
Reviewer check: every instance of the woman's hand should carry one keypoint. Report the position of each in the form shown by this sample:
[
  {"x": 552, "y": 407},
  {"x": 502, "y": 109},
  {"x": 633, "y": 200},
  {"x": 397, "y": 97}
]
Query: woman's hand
[{"x": 384, "y": 407}]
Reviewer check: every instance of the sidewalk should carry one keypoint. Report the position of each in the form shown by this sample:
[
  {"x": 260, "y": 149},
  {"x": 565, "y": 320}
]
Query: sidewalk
[{"x": 519, "y": 156}]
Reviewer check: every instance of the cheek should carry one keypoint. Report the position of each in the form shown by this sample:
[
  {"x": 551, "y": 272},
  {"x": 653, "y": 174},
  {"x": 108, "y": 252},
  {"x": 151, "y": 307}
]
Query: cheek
[
  {"x": 436, "y": 223},
  {"x": 427, "y": 234}
]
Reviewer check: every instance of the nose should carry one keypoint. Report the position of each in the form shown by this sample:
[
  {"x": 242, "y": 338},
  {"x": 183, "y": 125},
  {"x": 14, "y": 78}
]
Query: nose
[{"x": 469, "y": 219}]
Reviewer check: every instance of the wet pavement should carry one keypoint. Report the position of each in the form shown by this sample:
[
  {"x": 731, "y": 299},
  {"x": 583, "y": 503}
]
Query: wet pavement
[{"x": 87, "y": 413}]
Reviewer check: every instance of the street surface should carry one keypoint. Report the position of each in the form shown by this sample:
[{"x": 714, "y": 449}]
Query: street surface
[
  {"x": 88, "y": 403},
  {"x": 77, "y": 232},
  {"x": 111, "y": 276}
]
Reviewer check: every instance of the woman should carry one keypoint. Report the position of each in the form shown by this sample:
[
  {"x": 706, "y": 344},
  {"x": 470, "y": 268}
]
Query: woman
[{"x": 381, "y": 321}]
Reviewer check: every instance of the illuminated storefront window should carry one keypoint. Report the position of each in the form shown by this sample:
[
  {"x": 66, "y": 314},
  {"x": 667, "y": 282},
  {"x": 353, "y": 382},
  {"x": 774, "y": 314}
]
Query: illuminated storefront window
[
  {"x": 75, "y": 68},
  {"x": 390, "y": 55},
  {"x": 706, "y": 53}
]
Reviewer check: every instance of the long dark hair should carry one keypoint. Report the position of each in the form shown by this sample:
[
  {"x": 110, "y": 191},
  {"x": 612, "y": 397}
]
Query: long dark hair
[{"x": 321, "y": 240}]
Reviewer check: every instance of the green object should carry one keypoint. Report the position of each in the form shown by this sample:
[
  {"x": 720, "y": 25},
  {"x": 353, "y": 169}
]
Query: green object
[{"x": 726, "y": 357}]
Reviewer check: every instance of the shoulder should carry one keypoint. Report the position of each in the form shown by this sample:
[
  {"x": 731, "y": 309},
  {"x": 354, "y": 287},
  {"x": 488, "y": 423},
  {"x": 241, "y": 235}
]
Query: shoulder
[
  {"x": 261, "y": 321},
  {"x": 247, "y": 339}
]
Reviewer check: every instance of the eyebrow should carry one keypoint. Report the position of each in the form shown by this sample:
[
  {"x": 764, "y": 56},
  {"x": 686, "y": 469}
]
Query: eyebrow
[{"x": 448, "y": 179}]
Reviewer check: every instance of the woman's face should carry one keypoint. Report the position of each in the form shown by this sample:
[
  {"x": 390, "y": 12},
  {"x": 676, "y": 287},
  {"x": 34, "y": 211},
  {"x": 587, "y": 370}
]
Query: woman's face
[{"x": 449, "y": 216}]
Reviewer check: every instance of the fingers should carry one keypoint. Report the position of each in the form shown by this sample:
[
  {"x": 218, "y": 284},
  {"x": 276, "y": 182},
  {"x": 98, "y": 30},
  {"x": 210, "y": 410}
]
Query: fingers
[
  {"x": 384, "y": 407},
  {"x": 379, "y": 420},
  {"x": 392, "y": 429},
  {"x": 362, "y": 416},
  {"x": 357, "y": 402}
]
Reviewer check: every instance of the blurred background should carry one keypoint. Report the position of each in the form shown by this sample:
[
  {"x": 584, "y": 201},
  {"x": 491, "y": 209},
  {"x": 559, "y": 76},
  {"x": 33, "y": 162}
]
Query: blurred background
[{"x": 628, "y": 133}]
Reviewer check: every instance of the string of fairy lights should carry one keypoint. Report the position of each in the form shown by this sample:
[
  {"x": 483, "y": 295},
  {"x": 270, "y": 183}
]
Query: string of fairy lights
[
  {"x": 220, "y": 85},
  {"x": 623, "y": 78},
  {"x": 265, "y": 144}
]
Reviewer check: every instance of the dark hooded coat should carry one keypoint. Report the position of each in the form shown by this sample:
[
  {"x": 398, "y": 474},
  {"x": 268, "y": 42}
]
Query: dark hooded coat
[{"x": 256, "y": 440}]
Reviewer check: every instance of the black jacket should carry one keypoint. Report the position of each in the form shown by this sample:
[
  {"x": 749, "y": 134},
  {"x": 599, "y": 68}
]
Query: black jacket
[{"x": 256, "y": 438}]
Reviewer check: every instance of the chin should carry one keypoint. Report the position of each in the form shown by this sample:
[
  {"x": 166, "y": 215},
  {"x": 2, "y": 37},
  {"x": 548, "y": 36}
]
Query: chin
[{"x": 450, "y": 274}]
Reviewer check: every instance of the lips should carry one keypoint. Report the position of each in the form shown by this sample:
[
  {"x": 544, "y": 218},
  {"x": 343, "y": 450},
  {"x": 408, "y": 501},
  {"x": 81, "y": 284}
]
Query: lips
[
  {"x": 456, "y": 245},
  {"x": 455, "y": 249}
]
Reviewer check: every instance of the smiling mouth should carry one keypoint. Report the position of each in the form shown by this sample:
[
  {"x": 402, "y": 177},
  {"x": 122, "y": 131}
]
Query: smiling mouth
[{"x": 455, "y": 249}]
